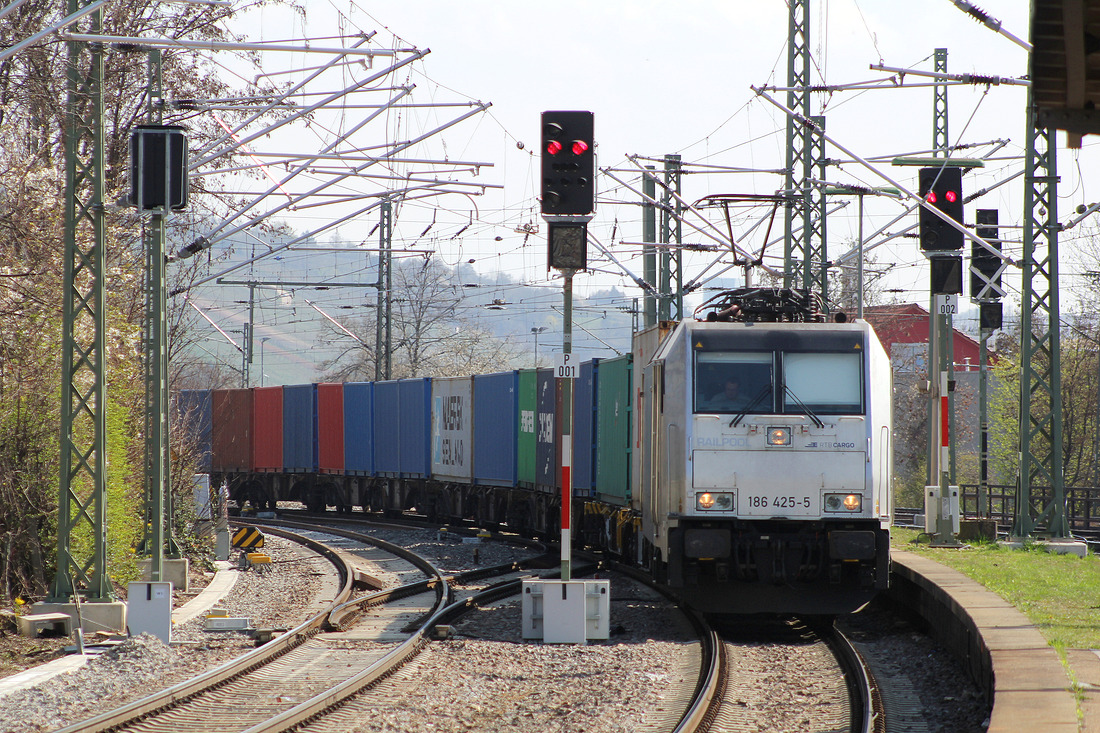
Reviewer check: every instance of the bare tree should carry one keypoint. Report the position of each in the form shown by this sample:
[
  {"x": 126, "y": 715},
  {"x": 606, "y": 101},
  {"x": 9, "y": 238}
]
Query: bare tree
[{"x": 430, "y": 334}]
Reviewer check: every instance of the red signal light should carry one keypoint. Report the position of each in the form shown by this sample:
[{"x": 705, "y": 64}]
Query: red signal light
[
  {"x": 553, "y": 147},
  {"x": 931, "y": 197},
  {"x": 580, "y": 147},
  {"x": 951, "y": 197}
]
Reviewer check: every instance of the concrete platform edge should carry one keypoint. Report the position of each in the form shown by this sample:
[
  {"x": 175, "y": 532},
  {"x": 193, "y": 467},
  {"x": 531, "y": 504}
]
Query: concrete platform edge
[{"x": 1005, "y": 654}]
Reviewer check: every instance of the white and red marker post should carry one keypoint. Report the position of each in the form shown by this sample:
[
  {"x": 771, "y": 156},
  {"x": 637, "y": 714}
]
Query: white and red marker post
[{"x": 566, "y": 373}]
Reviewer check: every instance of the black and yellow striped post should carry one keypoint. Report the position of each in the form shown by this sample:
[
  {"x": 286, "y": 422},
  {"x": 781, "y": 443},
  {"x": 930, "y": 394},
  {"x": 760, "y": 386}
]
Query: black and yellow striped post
[{"x": 248, "y": 538}]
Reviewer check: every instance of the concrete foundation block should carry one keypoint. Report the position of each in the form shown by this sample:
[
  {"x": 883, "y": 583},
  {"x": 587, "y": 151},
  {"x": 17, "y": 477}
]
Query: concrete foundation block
[
  {"x": 174, "y": 572},
  {"x": 1061, "y": 547},
  {"x": 95, "y": 615},
  {"x": 36, "y": 624}
]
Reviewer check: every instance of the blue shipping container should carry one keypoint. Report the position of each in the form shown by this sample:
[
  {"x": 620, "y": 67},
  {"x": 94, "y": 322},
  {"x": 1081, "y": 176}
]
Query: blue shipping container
[
  {"x": 193, "y": 414},
  {"x": 359, "y": 428},
  {"x": 415, "y": 427},
  {"x": 584, "y": 435},
  {"x": 300, "y": 428},
  {"x": 387, "y": 433},
  {"x": 495, "y": 428}
]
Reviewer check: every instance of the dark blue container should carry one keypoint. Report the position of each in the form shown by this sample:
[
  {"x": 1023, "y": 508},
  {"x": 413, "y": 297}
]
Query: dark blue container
[
  {"x": 300, "y": 428},
  {"x": 387, "y": 433},
  {"x": 546, "y": 431},
  {"x": 359, "y": 428},
  {"x": 584, "y": 434},
  {"x": 496, "y": 428},
  {"x": 192, "y": 414},
  {"x": 416, "y": 422}
]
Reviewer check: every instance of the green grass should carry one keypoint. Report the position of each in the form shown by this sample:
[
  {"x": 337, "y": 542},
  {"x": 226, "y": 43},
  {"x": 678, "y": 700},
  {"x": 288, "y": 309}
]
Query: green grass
[{"x": 1059, "y": 593}]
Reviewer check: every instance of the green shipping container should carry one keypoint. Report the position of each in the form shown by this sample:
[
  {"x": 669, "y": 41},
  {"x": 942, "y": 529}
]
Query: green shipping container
[
  {"x": 527, "y": 416},
  {"x": 614, "y": 413}
]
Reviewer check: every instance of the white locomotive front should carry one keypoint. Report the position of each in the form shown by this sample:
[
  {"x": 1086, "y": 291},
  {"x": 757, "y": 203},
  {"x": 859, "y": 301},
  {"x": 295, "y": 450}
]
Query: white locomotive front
[{"x": 765, "y": 481}]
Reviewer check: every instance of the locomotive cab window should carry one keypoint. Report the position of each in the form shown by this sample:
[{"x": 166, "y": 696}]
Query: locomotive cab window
[
  {"x": 734, "y": 382},
  {"x": 828, "y": 384}
]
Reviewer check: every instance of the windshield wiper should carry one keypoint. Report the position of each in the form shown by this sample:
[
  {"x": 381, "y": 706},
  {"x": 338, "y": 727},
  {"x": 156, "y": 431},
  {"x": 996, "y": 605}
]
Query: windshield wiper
[
  {"x": 755, "y": 401},
  {"x": 800, "y": 403}
]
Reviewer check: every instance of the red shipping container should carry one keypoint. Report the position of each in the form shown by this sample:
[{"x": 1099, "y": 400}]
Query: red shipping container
[
  {"x": 231, "y": 430},
  {"x": 267, "y": 432},
  {"x": 330, "y": 428}
]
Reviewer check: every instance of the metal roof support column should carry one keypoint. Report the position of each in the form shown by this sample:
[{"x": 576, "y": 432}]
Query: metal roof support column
[
  {"x": 1041, "y": 462},
  {"x": 82, "y": 500}
]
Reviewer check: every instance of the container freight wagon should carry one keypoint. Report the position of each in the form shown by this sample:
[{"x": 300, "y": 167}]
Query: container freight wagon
[
  {"x": 584, "y": 423},
  {"x": 267, "y": 429},
  {"x": 330, "y": 428},
  {"x": 527, "y": 439},
  {"x": 358, "y": 428},
  {"x": 300, "y": 428},
  {"x": 192, "y": 413},
  {"x": 496, "y": 425},
  {"x": 742, "y": 460}
]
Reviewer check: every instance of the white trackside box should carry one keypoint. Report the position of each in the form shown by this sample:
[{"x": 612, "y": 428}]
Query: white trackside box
[{"x": 566, "y": 612}]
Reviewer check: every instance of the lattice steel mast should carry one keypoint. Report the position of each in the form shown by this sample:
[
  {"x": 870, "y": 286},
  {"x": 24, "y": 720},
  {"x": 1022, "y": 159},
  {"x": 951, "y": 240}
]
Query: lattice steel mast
[
  {"x": 805, "y": 255},
  {"x": 1041, "y": 457},
  {"x": 82, "y": 500}
]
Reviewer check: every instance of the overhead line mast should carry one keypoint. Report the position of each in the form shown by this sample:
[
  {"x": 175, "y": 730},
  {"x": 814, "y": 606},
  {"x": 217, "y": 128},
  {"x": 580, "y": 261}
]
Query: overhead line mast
[{"x": 805, "y": 254}]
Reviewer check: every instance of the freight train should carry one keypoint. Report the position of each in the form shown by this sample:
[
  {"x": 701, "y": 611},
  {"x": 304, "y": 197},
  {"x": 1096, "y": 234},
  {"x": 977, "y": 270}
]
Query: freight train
[{"x": 743, "y": 458}]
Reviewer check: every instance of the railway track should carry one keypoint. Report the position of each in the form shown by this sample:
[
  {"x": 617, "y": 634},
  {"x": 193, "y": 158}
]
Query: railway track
[
  {"x": 781, "y": 676},
  {"x": 315, "y": 667},
  {"x": 323, "y": 674}
]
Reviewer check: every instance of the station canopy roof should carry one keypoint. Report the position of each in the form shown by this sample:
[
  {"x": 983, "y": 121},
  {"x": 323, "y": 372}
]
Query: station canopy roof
[{"x": 1065, "y": 65}]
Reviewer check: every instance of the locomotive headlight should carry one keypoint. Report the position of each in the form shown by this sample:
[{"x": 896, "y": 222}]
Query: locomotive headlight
[
  {"x": 779, "y": 436},
  {"x": 714, "y": 501},
  {"x": 843, "y": 502}
]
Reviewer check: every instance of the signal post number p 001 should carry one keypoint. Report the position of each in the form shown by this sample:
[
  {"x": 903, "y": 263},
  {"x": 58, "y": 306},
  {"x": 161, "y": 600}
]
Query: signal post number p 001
[{"x": 565, "y": 366}]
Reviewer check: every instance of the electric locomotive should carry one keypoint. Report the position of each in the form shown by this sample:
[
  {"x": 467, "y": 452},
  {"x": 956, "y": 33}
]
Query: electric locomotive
[{"x": 766, "y": 458}]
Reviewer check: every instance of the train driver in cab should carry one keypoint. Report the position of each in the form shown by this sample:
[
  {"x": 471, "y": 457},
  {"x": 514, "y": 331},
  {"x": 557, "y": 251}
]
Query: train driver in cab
[{"x": 730, "y": 398}]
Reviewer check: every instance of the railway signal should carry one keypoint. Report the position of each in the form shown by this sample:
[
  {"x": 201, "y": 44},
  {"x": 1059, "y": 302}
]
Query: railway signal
[
  {"x": 941, "y": 186},
  {"x": 158, "y": 167},
  {"x": 985, "y": 283},
  {"x": 568, "y": 163}
]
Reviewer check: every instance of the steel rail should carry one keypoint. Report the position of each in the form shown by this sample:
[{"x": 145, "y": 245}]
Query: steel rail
[
  {"x": 868, "y": 713},
  {"x": 706, "y": 698},
  {"x": 334, "y": 697},
  {"x": 219, "y": 676}
]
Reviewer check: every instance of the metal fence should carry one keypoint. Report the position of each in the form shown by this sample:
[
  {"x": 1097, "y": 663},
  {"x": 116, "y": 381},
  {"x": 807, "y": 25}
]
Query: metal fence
[{"x": 998, "y": 502}]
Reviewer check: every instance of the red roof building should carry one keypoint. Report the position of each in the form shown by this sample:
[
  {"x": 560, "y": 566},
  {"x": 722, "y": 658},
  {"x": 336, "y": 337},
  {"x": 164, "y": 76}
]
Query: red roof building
[{"x": 903, "y": 330}]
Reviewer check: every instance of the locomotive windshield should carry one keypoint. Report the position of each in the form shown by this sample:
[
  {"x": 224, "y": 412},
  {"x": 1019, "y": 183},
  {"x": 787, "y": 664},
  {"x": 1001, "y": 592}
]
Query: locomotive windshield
[
  {"x": 726, "y": 382},
  {"x": 779, "y": 382},
  {"x": 829, "y": 384}
]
